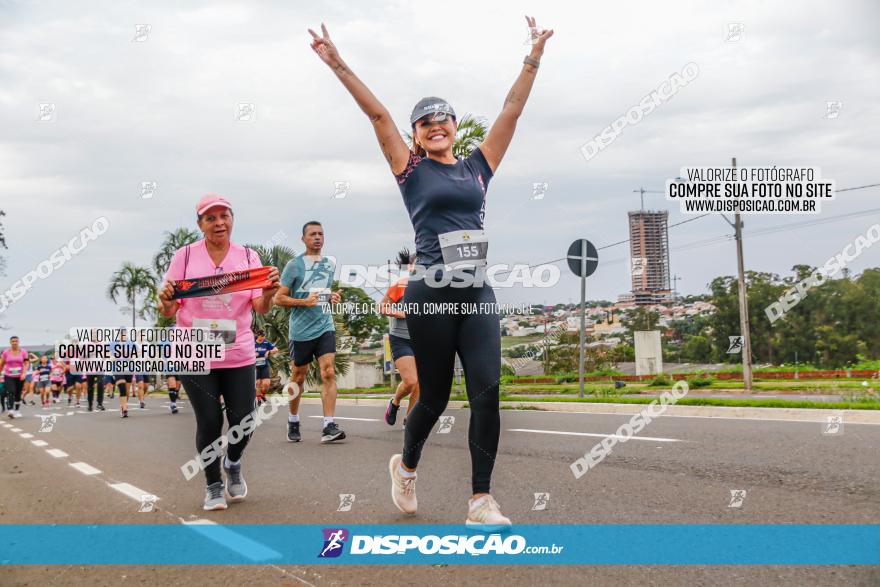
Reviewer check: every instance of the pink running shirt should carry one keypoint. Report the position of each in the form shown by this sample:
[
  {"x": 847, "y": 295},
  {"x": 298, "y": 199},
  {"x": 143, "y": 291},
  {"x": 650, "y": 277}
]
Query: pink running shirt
[{"x": 227, "y": 314}]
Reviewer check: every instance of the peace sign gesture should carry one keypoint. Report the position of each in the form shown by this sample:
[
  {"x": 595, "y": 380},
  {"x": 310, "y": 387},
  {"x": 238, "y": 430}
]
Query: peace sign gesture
[
  {"x": 324, "y": 47},
  {"x": 539, "y": 37}
]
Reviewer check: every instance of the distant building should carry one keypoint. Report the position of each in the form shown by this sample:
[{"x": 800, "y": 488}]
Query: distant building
[{"x": 649, "y": 257}]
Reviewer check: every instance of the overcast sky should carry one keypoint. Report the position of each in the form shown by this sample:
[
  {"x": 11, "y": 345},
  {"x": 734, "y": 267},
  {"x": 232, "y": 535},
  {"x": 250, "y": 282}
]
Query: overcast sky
[{"x": 162, "y": 108}]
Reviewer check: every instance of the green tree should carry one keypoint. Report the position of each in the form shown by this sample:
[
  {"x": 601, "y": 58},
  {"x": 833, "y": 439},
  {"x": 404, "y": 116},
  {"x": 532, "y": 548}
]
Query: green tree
[
  {"x": 128, "y": 282},
  {"x": 641, "y": 319},
  {"x": 360, "y": 324},
  {"x": 171, "y": 242},
  {"x": 697, "y": 349}
]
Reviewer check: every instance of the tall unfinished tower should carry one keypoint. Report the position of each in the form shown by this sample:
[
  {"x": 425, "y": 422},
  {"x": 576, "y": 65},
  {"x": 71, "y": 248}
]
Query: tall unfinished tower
[{"x": 649, "y": 257}]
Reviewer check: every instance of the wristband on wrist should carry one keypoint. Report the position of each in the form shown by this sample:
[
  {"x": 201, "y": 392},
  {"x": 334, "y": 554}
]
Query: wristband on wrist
[{"x": 533, "y": 62}]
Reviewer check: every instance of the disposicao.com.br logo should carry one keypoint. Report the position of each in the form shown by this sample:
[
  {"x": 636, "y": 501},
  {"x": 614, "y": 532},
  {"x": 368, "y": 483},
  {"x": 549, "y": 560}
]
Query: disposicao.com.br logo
[{"x": 431, "y": 544}]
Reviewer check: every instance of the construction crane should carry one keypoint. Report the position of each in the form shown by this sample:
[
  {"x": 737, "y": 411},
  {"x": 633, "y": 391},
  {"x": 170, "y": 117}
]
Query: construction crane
[{"x": 642, "y": 191}]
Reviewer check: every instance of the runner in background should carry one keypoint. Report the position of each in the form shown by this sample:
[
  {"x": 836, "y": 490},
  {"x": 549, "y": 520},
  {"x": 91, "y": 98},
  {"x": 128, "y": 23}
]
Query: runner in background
[
  {"x": 109, "y": 384},
  {"x": 401, "y": 348},
  {"x": 73, "y": 384},
  {"x": 14, "y": 363},
  {"x": 30, "y": 380},
  {"x": 174, "y": 386},
  {"x": 305, "y": 289},
  {"x": 263, "y": 348},
  {"x": 95, "y": 384},
  {"x": 140, "y": 383},
  {"x": 56, "y": 378},
  {"x": 44, "y": 370},
  {"x": 124, "y": 381}
]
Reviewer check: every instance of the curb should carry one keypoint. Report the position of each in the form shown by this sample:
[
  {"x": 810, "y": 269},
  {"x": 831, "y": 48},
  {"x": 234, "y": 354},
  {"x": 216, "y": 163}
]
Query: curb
[{"x": 787, "y": 414}]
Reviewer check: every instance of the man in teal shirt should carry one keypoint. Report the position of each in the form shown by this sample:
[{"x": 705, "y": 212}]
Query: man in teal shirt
[{"x": 306, "y": 289}]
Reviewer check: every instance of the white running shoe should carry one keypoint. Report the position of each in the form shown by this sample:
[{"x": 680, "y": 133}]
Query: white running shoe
[
  {"x": 18, "y": 414},
  {"x": 485, "y": 512},
  {"x": 403, "y": 489}
]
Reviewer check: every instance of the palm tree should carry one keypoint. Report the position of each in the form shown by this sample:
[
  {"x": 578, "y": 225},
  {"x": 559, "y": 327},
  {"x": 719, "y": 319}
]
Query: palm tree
[
  {"x": 472, "y": 131},
  {"x": 131, "y": 280},
  {"x": 275, "y": 323},
  {"x": 173, "y": 240}
]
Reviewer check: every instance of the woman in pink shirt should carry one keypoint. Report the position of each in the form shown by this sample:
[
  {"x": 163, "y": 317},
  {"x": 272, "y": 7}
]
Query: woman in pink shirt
[
  {"x": 229, "y": 317},
  {"x": 14, "y": 363}
]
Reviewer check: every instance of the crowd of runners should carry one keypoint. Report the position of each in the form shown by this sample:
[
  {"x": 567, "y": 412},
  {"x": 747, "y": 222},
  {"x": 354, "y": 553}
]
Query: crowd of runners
[
  {"x": 26, "y": 378},
  {"x": 445, "y": 198}
]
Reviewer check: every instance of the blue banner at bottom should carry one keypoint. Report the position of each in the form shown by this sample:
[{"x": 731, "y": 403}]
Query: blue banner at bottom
[{"x": 604, "y": 544}]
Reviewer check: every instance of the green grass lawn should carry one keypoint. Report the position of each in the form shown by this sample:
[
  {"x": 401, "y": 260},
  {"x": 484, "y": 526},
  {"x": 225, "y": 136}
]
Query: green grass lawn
[{"x": 509, "y": 341}]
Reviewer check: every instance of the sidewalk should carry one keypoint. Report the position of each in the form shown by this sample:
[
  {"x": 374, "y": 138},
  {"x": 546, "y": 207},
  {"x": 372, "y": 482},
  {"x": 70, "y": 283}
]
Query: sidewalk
[{"x": 785, "y": 414}]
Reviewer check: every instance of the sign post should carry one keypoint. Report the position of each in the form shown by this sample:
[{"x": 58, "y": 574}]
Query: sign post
[{"x": 583, "y": 258}]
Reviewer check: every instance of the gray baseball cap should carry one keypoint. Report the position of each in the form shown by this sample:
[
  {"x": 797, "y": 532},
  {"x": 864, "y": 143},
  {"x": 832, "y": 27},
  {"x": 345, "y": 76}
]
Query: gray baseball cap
[{"x": 430, "y": 105}]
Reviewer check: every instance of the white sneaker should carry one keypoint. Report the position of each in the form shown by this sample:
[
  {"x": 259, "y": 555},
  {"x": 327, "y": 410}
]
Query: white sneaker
[
  {"x": 18, "y": 414},
  {"x": 484, "y": 511},
  {"x": 403, "y": 489}
]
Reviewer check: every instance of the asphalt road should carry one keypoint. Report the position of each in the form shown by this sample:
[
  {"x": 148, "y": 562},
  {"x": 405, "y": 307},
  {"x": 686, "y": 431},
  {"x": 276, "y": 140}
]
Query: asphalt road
[{"x": 680, "y": 470}]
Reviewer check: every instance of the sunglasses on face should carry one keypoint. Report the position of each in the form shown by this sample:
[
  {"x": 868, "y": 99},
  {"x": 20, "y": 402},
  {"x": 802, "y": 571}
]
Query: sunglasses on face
[{"x": 439, "y": 117}]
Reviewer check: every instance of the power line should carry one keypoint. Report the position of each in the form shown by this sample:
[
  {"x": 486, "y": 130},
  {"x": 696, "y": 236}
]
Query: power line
[
  {"x": 861, "y": 187},
  {"x": 726, "y": 238}
]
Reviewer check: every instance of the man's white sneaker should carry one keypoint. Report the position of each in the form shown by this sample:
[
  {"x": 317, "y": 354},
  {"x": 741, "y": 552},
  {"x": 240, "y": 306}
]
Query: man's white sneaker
[
  {"x": 484, "y": 511},
  {"x": 403, "y": 489}
]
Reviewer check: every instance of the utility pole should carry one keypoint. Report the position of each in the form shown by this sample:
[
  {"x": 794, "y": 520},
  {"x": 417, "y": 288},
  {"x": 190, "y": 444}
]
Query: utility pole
[{"x": 743, "y": 303}]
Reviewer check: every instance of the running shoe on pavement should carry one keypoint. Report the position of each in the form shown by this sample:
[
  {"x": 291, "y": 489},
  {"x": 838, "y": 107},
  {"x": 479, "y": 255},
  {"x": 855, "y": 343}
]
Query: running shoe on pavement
[
  {"x": 403, "y": 489},
  {"x": 331, "y": 433},
  {"x": 214, "y": 499},
  {"x": 485, "y": 512},
  {"x": 236, "y": 488}
]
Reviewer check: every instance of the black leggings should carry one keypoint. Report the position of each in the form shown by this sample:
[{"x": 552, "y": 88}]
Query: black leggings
[
  {"x": 236, "y": 385},
  {"x": 476, "y": 337},
  {"x": 93, "y": 381},
  {"x": 14, "y": 385}
]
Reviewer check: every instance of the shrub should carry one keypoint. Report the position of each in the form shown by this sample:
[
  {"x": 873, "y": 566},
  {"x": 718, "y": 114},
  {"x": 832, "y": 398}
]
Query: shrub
[
  {"x": 700, "y": 381},
  {"x": 662, "y": 380}
]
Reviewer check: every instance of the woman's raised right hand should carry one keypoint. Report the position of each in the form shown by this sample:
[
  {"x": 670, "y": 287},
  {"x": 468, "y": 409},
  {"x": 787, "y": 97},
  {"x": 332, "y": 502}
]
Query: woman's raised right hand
[{"x": 324, "y": 47}]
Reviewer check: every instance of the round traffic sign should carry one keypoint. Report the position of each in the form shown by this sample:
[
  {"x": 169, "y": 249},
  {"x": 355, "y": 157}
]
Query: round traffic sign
[{"x": 583, "y": 258}]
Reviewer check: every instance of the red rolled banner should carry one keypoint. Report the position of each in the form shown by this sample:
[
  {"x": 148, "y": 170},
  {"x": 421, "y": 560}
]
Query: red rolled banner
[{"x": 221, "y": 283}]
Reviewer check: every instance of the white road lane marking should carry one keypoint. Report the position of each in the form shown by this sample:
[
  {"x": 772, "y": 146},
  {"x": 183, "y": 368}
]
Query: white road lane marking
[
  {"x": 130, "y": 490},
  {"x": 26, "y": 435},
  {"x": 617, "y": 436},
  {"x": 57, "y": 453},
  {"x": 40, "y": 443},
  {"x": 358, "y": 419},
  {"x": 16, "y": 429},
  {"x": 85, "y": 468}
]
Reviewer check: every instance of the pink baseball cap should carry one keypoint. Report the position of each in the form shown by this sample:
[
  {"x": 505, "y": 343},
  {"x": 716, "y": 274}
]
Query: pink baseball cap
[{"x": 209, "y": 201}]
